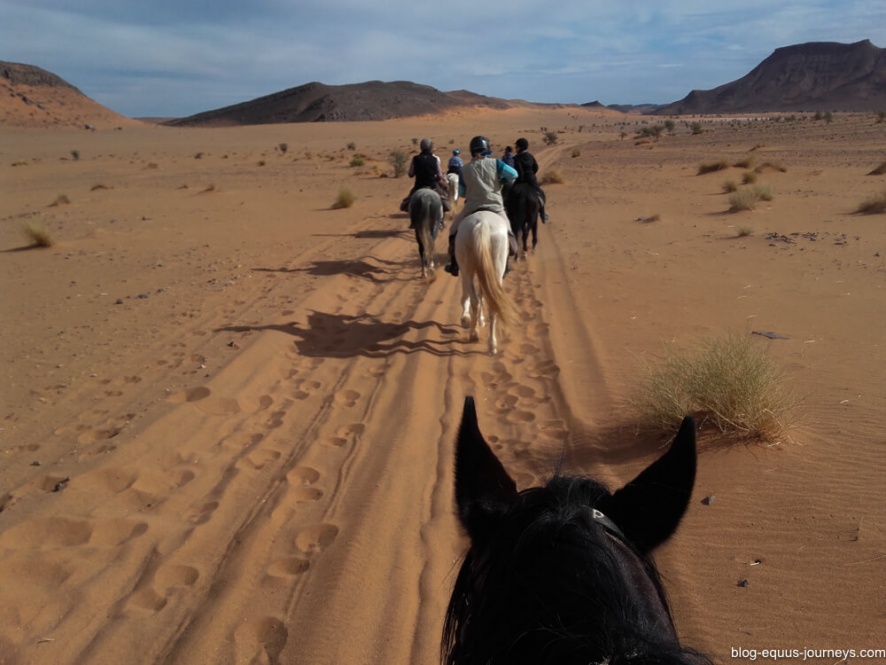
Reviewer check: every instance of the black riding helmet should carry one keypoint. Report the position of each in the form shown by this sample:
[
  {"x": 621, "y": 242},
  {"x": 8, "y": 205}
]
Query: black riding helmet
[{"x": 479, "y": 145}]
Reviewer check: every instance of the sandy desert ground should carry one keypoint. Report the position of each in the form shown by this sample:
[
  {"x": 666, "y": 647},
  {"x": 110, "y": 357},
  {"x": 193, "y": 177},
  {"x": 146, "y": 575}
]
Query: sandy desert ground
[{"x": 228, "y": 409}]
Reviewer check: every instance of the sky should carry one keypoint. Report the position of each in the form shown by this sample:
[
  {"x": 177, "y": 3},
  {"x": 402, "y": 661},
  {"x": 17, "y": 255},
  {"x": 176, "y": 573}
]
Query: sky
[{"x": 174, "y": 58}]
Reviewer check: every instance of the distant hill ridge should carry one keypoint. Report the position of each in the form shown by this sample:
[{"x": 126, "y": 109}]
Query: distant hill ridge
[
  {"x": 805, "y": 77},
  {"x": 317, "y": 102},
  {"x": 816, "y": 76}
]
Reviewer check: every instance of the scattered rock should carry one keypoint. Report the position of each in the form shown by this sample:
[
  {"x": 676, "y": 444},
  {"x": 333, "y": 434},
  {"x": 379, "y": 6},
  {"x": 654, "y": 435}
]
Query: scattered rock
[
  {"x": 743, "y": 583},
  {"x": 708, "y": 500}
]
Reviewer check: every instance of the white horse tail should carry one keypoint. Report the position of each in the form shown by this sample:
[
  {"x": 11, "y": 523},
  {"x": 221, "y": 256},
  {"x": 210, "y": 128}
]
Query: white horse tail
[{"x": 490, "y": 286}]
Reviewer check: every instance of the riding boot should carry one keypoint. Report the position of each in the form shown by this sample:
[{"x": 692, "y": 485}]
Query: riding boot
[{"x": 452, "y": 268}]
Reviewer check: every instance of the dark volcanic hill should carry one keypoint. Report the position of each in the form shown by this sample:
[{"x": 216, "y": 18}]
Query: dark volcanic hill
[
  {"x": 817, "y": 76},
  {"x": 317, "y": 102}
]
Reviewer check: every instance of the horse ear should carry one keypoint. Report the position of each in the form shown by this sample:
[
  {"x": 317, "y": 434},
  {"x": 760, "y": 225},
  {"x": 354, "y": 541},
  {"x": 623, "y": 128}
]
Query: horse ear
[
  {"x": 483, "y": 489},
  {"x": 649, "y": 508}
]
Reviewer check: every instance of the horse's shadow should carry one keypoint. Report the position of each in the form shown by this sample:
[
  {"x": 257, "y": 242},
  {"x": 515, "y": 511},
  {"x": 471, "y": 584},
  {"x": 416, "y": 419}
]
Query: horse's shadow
[
  {"x": 328, "y": 335},
  {"x": 379, "y": 270}
]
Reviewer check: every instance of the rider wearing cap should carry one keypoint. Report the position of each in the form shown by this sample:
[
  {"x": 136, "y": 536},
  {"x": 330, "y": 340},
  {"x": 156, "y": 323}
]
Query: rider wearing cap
[
  {"x": 527, "y": 167},
  {"x": 480, "y": 184},
  {"x": 455, "y": 163}
]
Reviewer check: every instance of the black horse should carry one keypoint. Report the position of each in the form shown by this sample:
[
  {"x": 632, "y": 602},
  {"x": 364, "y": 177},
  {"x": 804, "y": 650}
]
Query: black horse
[
  {"x": 562, "y": 573},
  {"x": 522, "y": 207}
]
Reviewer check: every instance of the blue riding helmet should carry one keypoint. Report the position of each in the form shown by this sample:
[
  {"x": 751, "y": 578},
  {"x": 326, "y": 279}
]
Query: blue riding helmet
[{"x": 456, "y": 152}]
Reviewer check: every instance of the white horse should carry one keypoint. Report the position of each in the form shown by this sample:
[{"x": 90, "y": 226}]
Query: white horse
[
  {"x": 452, "y": 181},
  {"x": 481, "y": 250}
]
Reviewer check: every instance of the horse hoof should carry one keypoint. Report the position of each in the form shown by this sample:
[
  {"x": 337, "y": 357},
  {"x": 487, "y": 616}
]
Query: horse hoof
[
  {"x": 475, "y": 337},
  {"x": 466, "y": 322}
]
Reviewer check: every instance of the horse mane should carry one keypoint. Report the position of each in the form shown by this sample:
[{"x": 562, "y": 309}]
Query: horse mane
[{"x": 549, "y": 585}]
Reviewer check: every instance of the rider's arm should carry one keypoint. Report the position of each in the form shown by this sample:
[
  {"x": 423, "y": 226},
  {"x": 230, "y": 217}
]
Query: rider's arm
[
  {"x": 412, "y": 168},
  {"x": 506, "y": 174}
]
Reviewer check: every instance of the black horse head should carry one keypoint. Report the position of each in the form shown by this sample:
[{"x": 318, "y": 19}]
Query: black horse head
[{"x": 562, "y": 573}]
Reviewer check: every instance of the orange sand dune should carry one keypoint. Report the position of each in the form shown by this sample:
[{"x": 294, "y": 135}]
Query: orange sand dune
[{"x": 228, "y": 409}]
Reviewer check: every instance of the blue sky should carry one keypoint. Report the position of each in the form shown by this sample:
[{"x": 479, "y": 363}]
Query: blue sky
[{"x": 178, "y": 57}]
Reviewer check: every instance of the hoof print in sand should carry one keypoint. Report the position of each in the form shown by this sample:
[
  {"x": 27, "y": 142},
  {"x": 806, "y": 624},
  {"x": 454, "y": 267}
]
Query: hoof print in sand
[{"x": 316, "y": 538}]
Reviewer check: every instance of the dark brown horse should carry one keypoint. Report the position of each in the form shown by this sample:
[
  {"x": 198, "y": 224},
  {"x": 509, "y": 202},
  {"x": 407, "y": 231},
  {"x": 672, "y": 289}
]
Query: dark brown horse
[
  {"x": 522, "y": 207},
  {"x": 562, "y": 573}
]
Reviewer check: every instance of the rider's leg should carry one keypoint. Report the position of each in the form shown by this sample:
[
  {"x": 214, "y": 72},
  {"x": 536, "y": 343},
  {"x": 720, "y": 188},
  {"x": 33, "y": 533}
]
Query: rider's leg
[
  {"x": 452, "y": 268},
  {"x": 541, "y": 206}
]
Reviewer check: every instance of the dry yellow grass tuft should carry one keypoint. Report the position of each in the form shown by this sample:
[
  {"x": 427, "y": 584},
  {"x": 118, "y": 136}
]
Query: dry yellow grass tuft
[{"x": 728, "y": 382}]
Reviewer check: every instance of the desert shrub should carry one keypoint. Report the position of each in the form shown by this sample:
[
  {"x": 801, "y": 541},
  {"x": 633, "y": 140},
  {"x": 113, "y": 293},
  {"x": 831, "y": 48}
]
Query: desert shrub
[
  {"x": 357, "y": 160},
  {"x": 345, "y": 199},
  {"x": 746, "y": 163},
  {"x": 352, "y": 146},
  {"x": 880, "y": 170},
  {"x": 262, "y": 162},
  {"x": 60, "y": 200},
  {"x": 746, "y": 198},
  {"x": 198, "y": 155},
  {"x": 38, "y": 235},
  {"x": 771, "y": 166},
  {"x": 696, "y": 128},
  {"x": 652, "y": 132},
  {"x": 283, "y": 147},
  {"x": 712, "y": 167},
  {"x": 730, "y": 186},
  {"x": 749, "y": 178},
  {"x": 97, "y": 187},
  {"x": 75, "y": 154},
  {"x": 553, "y": 177},
  {"x": 729, "y": 382},
  {"x": 398, "y": 161},
  {"x": 669, "y": 126},
  {"x": 744, "y": 231},
  {"x": 873, "y": 206},
  {"x": 550, "y": 138},
  {"x": 576, "y": 153}
]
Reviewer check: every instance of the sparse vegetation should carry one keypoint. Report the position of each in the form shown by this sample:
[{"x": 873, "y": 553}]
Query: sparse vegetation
[
  {"x": 60, "y": 200},
  {"x": 728, "y": 382},
  {"x": 874, "y": 205},
  {"x": 744, "y": 231},
  {"x": 712, "y": 167},
  {"x": 553, "y": 177},
  {"x": 198, "y": 155},
  {"x": 880, "y": 170},
  {"x": 749, "y": 178},
  {"x": 38, "y": 235},
  {"x": 747, "y": 163},
  {"x": 352, "y": 146},
  {"x": 746, "y": 198},
  {"x": 730, "y": 186},
  {"x": 653, "y": 132},
  {"x": 357, "y": 160},
  {"x": 345, "y": 199},
  {"x": 696, "y": 128},
  {"x": 576, "y": 153},
  {"x": 75, "y": 154},
  {"x": 550, "y": 138},
  {"x": 283, "y": 147},
  {"x": 771, "y": 166},
  {"x": 398, "y": 161},
  {"x": 97, "y": 187}
]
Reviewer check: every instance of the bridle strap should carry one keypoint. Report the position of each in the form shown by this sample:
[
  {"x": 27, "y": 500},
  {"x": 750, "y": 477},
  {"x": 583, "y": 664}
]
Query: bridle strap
[{"x": 610, "y": 526}]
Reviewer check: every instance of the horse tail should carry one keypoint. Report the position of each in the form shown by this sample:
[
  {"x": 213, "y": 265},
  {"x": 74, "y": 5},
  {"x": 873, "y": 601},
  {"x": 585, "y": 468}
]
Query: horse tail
[{"x": 490, "y": 286}]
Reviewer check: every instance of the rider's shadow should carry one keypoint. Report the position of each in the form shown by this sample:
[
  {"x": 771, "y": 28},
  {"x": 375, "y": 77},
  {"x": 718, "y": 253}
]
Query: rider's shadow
[{"x": 328, "y": 335}]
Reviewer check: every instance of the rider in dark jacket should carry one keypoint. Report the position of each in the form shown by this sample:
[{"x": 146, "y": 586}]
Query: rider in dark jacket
[
  {"x": 425, "y": 168},
  {"x": 527, "y": 167}
]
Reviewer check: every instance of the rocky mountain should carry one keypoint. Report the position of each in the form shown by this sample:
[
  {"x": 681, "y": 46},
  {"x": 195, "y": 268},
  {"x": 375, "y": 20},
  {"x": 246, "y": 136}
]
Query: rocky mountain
[
  {"x": 816, "y": 76},
  {"x": 317, "y": 102}
]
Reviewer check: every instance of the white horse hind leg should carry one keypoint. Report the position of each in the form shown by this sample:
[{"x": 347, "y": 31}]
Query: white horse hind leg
[{"x": 493, "y": 333}]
